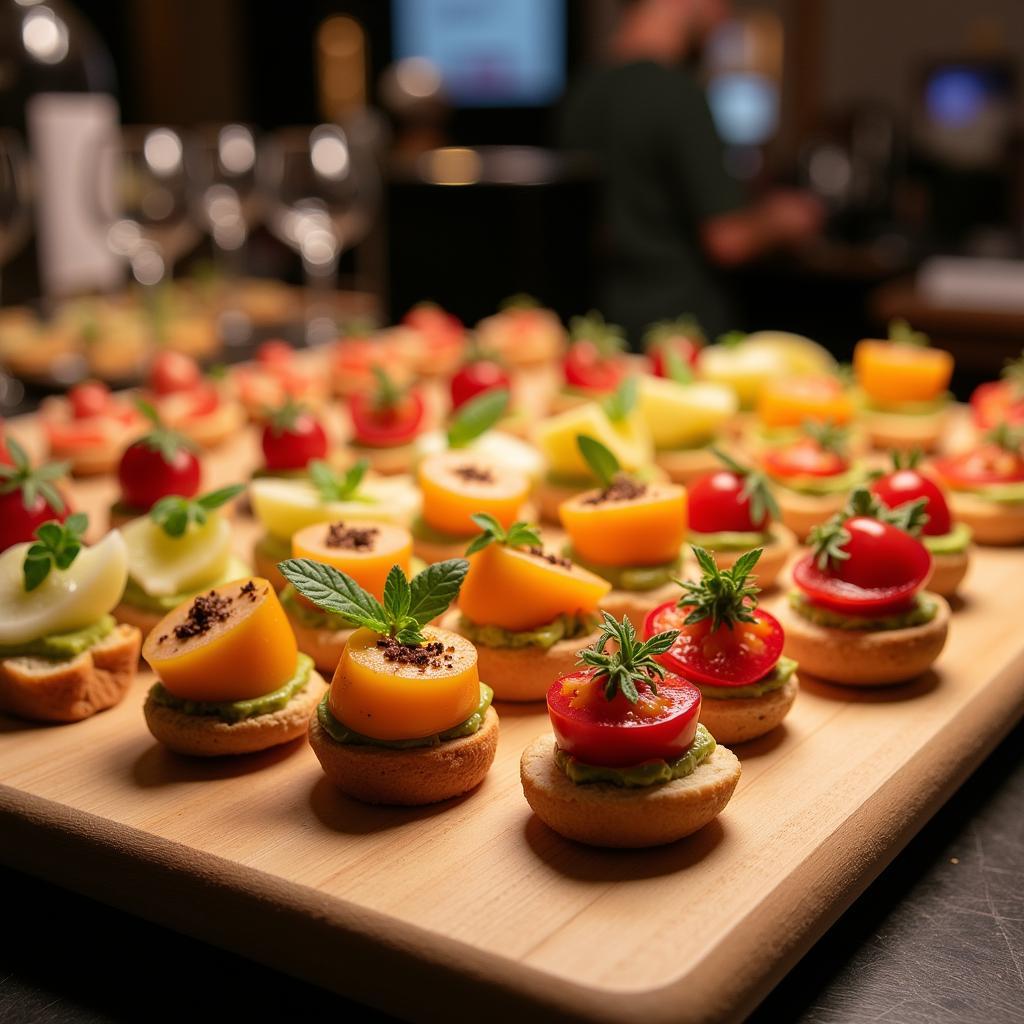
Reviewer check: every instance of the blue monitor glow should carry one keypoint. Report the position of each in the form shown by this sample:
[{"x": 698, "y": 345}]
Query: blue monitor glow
[{"x": 490, "y": 53}]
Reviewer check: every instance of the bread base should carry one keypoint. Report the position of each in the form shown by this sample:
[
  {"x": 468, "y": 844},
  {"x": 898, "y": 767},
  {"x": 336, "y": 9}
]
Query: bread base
[
  {"x": 324, "y": 646},
  {"x": 948, "y": 572},
  {"x": 267, "y": 568},
  {"x": 523, "y": 673},
  {"x": 388, "y": 461},
  {"x": 141, "y": 618},
  {"x": 745, "y": 718},
  {"x": 407, "y": 778},
  {"x": 602, "y": 814},
  {"x": 990, "y": 521},
  {"x": 896, "y": 432},
  {"x": 203, "y": 736},
  {"x": 433, "y": 551},
  {"x": 686, "y": 464},
  {"x": 638, "y": 604},
  {"x": 91, "y": 461},
  {"x": 773, "y": 558},
  {"x": 864, "y": 657},
  {"x": 802, "y": 512},
  {"x": 549, "y": 496},
  {"x": 216, "y": 427},
  {"x": 68, "y": 691}
]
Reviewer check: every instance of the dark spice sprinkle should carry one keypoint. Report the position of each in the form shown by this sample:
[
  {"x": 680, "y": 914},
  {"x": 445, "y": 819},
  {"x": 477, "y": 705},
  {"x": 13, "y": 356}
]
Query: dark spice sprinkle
[
  {"x": 547, "y": 556},
  {"x": 622, "y": 488},
  {"x": 477, "y": 474},
  {"x": 352, "y": 538},
  {"x": 418, "y": 655},
  {"x": 206, "y": 609},
  {"x": 249, "y": 590}
]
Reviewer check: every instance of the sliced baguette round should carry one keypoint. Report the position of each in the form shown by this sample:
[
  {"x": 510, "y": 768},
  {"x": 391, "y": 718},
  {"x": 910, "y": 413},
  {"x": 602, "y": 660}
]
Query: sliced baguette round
[
  {"x": 802, "y": 512},
  {"x": 324, "y": 646},
  {"x": 892, "y": 431},
  {"x": 991, "y": 522},
  {"x": 141, "y": 618},
  {"x": 602, "y": 814},
  {"x": 774, "y": 557},
  {"x": 432, "y": 551},
  {"x": 205, "y": 736},
  {"x": 636, "y": 604},
  {"x": 736, "y": 720},
  {"x": 68, "y": 691},
  {"x": 216, "y": 427},
  {"x": 948, "y": 572},
  {"x": 389, "y": 461},
  {"x": 857, "y": 657},
  {"x": 523, "y": 673},
  {"x": 408, "y": 778},
  {"x": 685, "y": 464}
]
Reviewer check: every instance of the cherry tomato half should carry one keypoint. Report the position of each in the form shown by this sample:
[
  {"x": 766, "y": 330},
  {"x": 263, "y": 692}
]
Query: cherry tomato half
[
  {"x": 294, "y": 446},
  {"x": 173, "y": 371},
  {"x": 995, "y": 402},
  {"x": 18, "y": 521},
  {"x": 987, "y": 464},
  {"x": 146, "y": 476},
  {"x": 885, "y": 569},
  {"x": 88, "y": 399},
  {"x": 585, "y": 367},
  {"x": 717, "y": 505},
  {"x": 727, "y": 656},
  {"x": 804, "y": 458},
  {"x": 386, "y": 426},
  {"x": 617, "y": 734},
  {"x": 903, "y": 485},
  {"x": 686, "y": 350},
  {"x": 476, "y": 378}
]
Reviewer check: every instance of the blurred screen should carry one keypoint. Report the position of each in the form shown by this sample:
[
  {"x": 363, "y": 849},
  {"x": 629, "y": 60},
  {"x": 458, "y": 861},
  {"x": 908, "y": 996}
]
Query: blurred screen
[
  {"x": 490, "y": 53},
  {"x": 959, "y": 94},
  {"x": 745, "y": 107}
]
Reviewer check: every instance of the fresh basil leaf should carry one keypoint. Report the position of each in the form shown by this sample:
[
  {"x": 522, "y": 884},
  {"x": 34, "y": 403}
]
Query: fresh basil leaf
[
  {"x": 219, "y": 497},
  {"x": 396, "y": 595},
  {"x": 50, "y": 533},
  {"x": 476, "y": 416},
  {"x": 623, "y": 401},
  {"x": 601, "y": 459},
  {"x": 335, "y": 591},
  {"x": 77, "y": 523},
  {"x": 522, "y": 535},
  {"x": 35, "y": 570},
  {"x": 433, "y": 590}
]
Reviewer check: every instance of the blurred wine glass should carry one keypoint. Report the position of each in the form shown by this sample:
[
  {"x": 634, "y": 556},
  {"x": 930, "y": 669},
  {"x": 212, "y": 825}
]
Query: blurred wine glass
[
  {"x": 321, "y": 188},
  {"x": 138, "y": 188}
]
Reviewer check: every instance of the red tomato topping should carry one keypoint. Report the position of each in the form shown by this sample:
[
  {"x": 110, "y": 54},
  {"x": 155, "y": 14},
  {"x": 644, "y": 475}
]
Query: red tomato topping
[
  {"x": 805, "y": 457},
  {"x": 275, "y": 354},
  {"x": 987, "y": 464},
  {"x": 19, "y": 518},
  {"x": 587, "y": 368},
  {"x": 476, "y": 378},
  {"x": 997, "y": 401},
  {"x": 148, "y": 473},
  {"x": 717, "y": 504},
  {"x": 386, "y": 425},
  {"x": 735, "y": 655},
  {"x": 907, "y": 484},
  {"x": 615, "y": 733},
  {"x": 173, "y": 371},
  {"x": 88, "y": 399},
  {"x": 293, "y": 439},
  {"x": 686, "y": 350},
  {"x": 884, "y": 569}
]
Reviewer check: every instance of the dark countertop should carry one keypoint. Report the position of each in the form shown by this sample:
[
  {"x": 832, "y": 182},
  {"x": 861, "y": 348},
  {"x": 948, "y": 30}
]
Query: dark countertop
[{"x": 937, "y": 939}]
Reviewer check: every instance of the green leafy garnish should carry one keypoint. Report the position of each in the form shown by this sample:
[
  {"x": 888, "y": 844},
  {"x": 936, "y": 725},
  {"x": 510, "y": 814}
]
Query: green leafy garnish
[
  {"x": 174, "y": 514},
  {"x": 161, "y": 438},
  {"x": 608, "y": 339},
  {"x": 632, "y": 664},
  {"x": 622, "y": 401},
  {"x": 407, "y": 606},
  {"x": 520, "y": 301},
  {"x": 732, "y": 338},
  {"x": 332, "y": 486},
  {"x": 478, "y": 415},
  {"x": 387, "y": 394},
  {"x": 755, "y": 488},
  {"x": 33, "y": 482},
  {"x": 827, "y": 434},
  {"x": 902, "y": 333},
  {"x": 601, "y": 459},
  {"x": 519, "y": 535},
  {"x": 677, "y": 368},
  {"x": 725, "y": 596},
  {"x": 1013, "y": 374},
  {"x": 284, "y": 417},
  {"x": 1007, "y": 437},
  {"x": 826, "y": 541},
  {"x": 665, "y": 330},
  {"x": 909, "y": 516},
  {"x": 57, "y": 546},
  {"x": 906, "y": 460}
]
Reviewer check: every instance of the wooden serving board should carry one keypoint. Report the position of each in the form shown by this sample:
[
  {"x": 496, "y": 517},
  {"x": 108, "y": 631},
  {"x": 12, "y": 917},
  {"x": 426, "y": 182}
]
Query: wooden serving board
[{"x": 473, "y": 906}]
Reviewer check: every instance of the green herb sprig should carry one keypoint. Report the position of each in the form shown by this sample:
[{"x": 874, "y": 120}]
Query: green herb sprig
[
  {"x": 1013, "y": 374},
  {"x": 910, "y": 516},
  {"x": 1009, "y": 438},
  {"x": 387, "y": 393},
  {"x": 478, "y": 415},
  {"x": 601, "y": 459},
  {"x": 632, "y": 664},
  {"x": 407, "y": 606},
  {"x": 827, "y": 542},
  {"x": 725, "y": 596},
  {"x": 902, "y": 333},
  {"x": 906, "y": 460},
  {"x": 32, "y": 481},
  {"x": 755, "y": 488},
  {"x": 731, "y": 339},
  {"x": 333, "y": 486},
  {"x": 174, "y": 514},
  {"x": 285, "y": 416},
  {"x": 161, "y": 438},
  {"x": 622, "y": 401},
  {"x": 57, "y": 546},
  {"x": 608, "y": 339},
  {"x": 519, "y": 535},
  {"x": 828, "y": 435}
]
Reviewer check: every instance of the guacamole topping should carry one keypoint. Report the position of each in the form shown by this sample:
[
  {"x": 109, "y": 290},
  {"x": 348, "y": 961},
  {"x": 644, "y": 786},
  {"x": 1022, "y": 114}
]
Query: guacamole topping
[
  {"x": 637, "y": 776},
  {"x": 138, "y": 598},
  {"x": 951, "y": 543},
  {"x": 838, "y": 483},
  {"x": 237, "y": 710},
  {"x": 774, "y": 680},
  {"x": 694, "y": 444},
  {"x": 1001, "y": 494},
  {"x": 928, "y": 408},
  {"x": 730, "y": 540},
  {"x": 630, "y": 577},
  {"x": 565, "y": 627},
  {"x": 62, "y": 646},
  {"x": 343, "y": 734},
  {"x": 922, "y": 610}
]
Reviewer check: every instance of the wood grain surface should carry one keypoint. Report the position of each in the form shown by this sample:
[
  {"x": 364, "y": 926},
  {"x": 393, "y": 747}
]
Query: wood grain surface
[{"x": 473, "y": 904}]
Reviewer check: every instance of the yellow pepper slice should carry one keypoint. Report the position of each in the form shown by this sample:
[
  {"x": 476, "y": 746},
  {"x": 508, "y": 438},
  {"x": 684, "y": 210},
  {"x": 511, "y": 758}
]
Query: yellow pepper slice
[
  {"x": 377, "y": 693},
  {"x": 891, "y": 372},
  {"x": 458, "y": 484},
  {"x": 230, "y": 643}
]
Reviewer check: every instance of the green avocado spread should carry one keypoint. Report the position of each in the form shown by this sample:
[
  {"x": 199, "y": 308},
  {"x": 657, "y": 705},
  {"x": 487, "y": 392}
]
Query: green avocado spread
[
  {"x": 630, "y": 577},
  {"x": 62, "y": 646},
  {"x": 820, "y": 486},
  {"x": 923, "y": 610},
  {"x": 928, "y": 408},
  {"x": 237, "y": 710},
  {"x": 343, "y": 734},
  {"x": 951, "y": 543},
  {"x": 138, "y": 598},
  {"x": 637, "y": 776},
  {"x": 730, "y": 540},
  {"x": 565, "y": 627},
  {"x": 1001, "y": 494},
  {"x": 693, "y": 445},
  {"x": 774, "y": 680}
]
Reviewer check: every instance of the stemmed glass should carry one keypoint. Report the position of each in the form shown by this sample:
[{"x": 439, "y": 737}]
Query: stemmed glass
[{"x": 321, "y": 193}]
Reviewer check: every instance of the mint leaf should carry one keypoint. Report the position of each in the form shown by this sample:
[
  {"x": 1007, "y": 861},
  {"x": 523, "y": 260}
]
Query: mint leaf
[
  {"x": 214, "y": 499},
  {"x": 396, "y": 594},
  {"x": 478, "y": 415},
  {"x": 433, "y": 590},
  {"x": 333, "y": 486},
  {"x": 622, "y": 401},
  {"x": 519, "y": 534},
  {"x": 601, "y": 460},
  {"x": 174, "y": 514},
  {"x": 335, "y": 591},
  {"x": 58, "y": 545}
]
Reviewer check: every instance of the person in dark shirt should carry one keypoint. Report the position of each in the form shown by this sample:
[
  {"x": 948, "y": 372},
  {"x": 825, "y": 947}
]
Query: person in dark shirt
[{"x": 674, "y": 218}]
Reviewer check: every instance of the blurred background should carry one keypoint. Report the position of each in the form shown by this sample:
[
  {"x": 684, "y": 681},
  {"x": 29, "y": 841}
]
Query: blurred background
[{"x": 222, "y": 172}]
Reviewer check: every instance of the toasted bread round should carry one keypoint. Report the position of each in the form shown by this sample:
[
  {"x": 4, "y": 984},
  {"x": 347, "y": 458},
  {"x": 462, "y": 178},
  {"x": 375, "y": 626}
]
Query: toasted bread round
[
  {"x": 802, "y": 512},
  {"x": 216, "y": 427},
  {"x": 865, "y": 657},
  {"x": 266, "y": 566},
  {"x": 324, "y": 646},
  {"x": 685, "y": 464},
  {"x": 894, "y": 431},
  {"x": 142, "y": 618},
  {"x": 421, "y": 775},
  {"x": 92, "y": 461},
  {"x": 774, "y": 556},
  {"x": 523, "y": 673},
  {"x": 437, "y": 551},
  {"x": 68, "y": 691},
  {"x": 736, "y": 720},
  {"x": 948, "y": 572},
  {"x": 602, "y": 814},
  {"x": 991, "y": 522},
  {"x": 549, "y": 495},
  {"x": 389, "y": 461},
  {"x": 636, "y": 604},
  {"x": 205, "y": 736}
]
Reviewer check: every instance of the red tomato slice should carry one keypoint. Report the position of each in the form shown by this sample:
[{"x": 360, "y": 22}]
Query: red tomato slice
[
  {"x": 686, "y": 349},
  {"x": 726, "y": 657},
  {"x": 996, "y": 402},
  {"x": 716, "y": 505},
  {"x": 903, "y": 485},
  {"x": 617, "y": 734},
  {"x": 885, "y": 570},
  {"x": 586, "y": 368},
  {"x": 804, "y": 458},
  {"x": 386, "y": 427},
  {"x": 88, "y": 399},
  {"x": 988, "y": 464},
  {"x": 476, "y": 378},
  {"x": 74, "y": 435}
]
